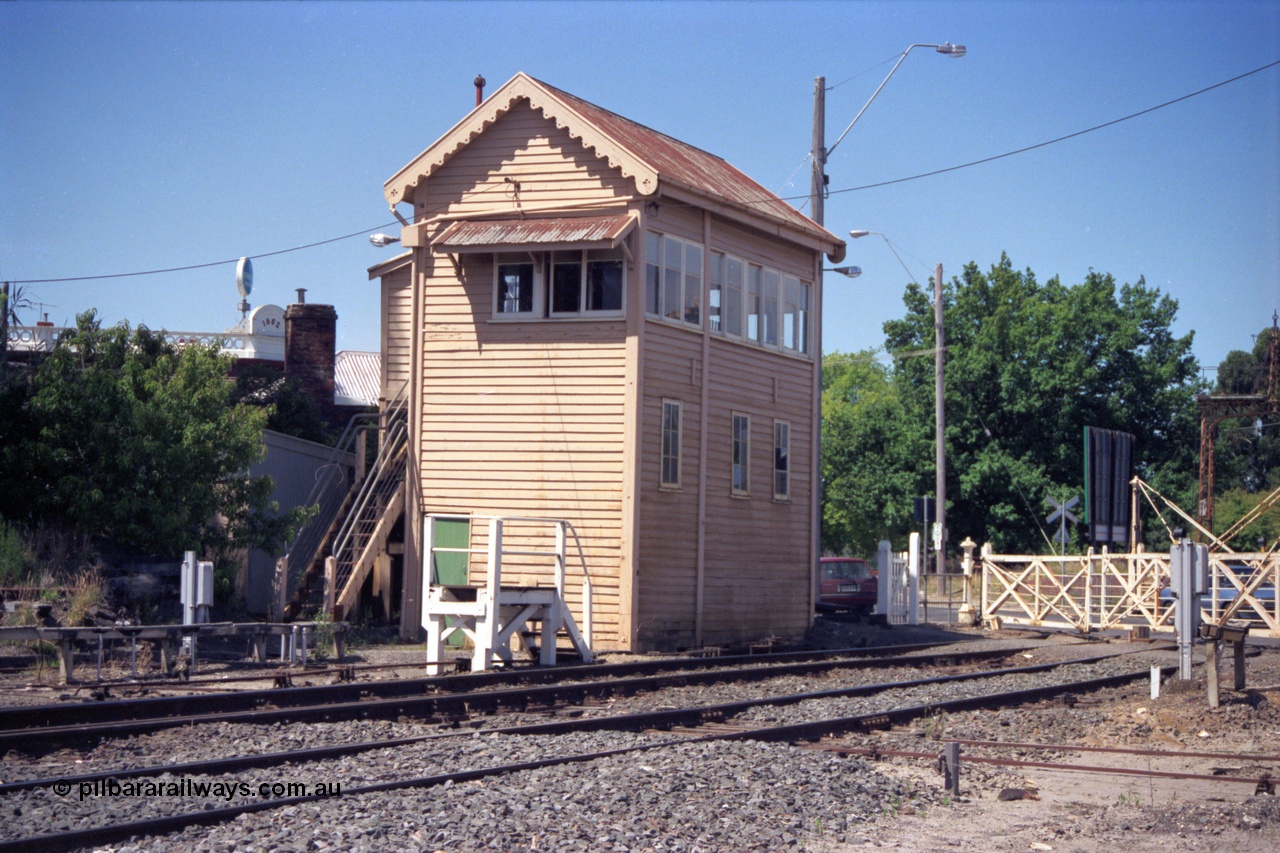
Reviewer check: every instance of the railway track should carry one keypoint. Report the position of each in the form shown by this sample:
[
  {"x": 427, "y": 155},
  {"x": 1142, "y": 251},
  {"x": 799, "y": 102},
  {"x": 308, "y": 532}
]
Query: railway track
[
  {"x": 550, "y": 743},
  {"x": 442, "y": 698}
]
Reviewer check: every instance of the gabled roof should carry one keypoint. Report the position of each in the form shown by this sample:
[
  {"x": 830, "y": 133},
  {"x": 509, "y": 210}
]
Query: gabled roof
[
  {"x": 390, "y": 265},
  {"x": 640, "y": 153}
]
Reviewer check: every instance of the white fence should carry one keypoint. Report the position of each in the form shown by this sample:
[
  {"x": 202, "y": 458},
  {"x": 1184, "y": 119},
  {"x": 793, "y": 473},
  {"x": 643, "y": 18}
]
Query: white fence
[
  {"x": 1099, "y": 591},
  {"x": 898, "y": 591}
]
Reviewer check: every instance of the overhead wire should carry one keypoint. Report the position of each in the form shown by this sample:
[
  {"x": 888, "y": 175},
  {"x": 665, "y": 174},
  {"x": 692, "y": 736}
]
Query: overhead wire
[
  {"x": 878, "y": 65},
  {"x": 1063, "y": 138},
  {"x": 762, "y": 200},
  {"x": 788, "y": 181},
  {"x": 250, "y": 257}
]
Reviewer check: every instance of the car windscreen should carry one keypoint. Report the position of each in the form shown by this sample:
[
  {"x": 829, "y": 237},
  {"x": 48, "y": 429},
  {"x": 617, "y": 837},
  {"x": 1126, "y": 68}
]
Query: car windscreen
[{"x": 846, "y": 570}]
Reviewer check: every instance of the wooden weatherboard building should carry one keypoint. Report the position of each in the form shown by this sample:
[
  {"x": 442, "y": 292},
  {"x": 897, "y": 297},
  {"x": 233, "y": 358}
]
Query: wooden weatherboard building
[{"x": 603, "y": 324}]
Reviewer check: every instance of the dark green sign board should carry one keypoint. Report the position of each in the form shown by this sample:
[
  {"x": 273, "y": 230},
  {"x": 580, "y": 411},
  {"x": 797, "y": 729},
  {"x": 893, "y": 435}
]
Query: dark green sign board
[{"x": 1108, "y": 468}]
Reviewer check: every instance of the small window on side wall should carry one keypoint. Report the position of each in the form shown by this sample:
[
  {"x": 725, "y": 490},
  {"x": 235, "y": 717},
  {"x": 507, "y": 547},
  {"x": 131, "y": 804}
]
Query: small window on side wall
[
  {"x": 672, "y": 414},
  {"x": 781, "y": 460},
  {"x": 741, "y": 473}
]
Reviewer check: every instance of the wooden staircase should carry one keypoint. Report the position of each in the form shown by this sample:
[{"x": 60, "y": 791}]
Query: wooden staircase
[{"x": 357, "y": 506}]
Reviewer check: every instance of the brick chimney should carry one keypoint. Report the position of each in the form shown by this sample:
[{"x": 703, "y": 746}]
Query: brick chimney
[{"x": 310, "y": 333}]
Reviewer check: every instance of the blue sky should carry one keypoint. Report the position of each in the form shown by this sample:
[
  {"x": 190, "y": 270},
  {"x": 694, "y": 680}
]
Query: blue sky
[{"x": 142, "y": 136}]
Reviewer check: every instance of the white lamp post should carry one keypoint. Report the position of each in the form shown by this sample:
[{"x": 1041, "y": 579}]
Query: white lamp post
[
  {"x": 818, "y": 185},
  {"x": 939, "y": 404}
]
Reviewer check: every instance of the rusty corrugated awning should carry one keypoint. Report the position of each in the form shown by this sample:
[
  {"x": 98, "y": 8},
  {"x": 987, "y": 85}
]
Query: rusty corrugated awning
[{"x": 493, "y": 235}]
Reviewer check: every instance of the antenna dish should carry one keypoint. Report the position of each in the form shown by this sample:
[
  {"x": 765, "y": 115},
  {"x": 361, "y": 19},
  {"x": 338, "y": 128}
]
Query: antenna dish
[{"x": 244, "y": 277}]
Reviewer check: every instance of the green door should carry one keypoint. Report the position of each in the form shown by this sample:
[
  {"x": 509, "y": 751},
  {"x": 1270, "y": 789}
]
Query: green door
[{"x": 450, "y": 568}]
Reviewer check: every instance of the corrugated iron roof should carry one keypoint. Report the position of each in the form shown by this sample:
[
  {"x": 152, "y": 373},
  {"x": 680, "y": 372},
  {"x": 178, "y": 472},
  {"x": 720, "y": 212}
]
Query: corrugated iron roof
[
  {"x": 648, "y": 157},
  {"x": 687, "y": 165},
  {"x": 357, "y": 378},
  {"x": 515, "y": 234}
]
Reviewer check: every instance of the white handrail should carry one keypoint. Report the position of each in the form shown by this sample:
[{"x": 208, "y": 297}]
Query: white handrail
[{"x": 588, "y": 593}]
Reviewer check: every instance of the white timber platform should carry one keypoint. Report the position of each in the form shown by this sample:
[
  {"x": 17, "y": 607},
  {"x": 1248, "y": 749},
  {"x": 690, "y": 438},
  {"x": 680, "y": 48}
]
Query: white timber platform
[{"x": 494, "y": 616}]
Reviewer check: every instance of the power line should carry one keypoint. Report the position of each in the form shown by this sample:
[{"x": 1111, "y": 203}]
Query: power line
[
  {"x": 1023, "y": 150},
  {"x": 1058, "y": 139},
  {"x": 198, "y": 266},
  {"x": 251, "y": 257},
  {"x": 862, "y": 72},
  {"x": 767, "y": 200}
]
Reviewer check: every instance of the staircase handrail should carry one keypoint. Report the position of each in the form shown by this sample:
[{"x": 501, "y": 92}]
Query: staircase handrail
[
  {"x": 327, "y": 493},
  {"x": 389, "y": 455}
]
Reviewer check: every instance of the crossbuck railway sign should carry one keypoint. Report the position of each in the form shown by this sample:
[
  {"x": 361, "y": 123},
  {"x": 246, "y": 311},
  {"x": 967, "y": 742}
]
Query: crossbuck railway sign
[{"x": 1063, "y": 515}]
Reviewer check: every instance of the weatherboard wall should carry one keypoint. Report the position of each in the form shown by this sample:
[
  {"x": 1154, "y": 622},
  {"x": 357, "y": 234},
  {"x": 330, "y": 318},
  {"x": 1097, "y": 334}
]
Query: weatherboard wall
[{"x": 562, "y": 418}]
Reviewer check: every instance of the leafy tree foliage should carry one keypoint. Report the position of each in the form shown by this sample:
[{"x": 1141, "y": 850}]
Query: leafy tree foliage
[
  {"x": 868, "y": 476},
  {"x": 136, "y": 442},
  {"x": 1247, "y": 459},
  {"x": 290, "y": 410},
  {"x": 1028, "y": 366}
]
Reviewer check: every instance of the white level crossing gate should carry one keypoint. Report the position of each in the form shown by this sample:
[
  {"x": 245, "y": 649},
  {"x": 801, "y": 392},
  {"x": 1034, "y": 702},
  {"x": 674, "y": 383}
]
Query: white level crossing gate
[{"x": 1099, "y": 591}]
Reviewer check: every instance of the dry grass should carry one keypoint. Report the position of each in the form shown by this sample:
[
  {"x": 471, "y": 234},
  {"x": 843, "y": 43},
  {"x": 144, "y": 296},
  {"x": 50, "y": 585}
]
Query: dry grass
[{"x": 86, "y": 595}]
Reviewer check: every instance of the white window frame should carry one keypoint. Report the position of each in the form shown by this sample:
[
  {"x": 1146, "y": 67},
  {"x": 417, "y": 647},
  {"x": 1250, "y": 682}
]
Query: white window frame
[
  {"x": 716, "y": 265},
  {"x": 753, "y": 304},
  {"x": 671, "y": 452},
  {"x": 777, "y": 302},
  {"x": 687, "y": 288},
  {"x": 782, "y": 460},
  {"x": 558, "y": 258},
  {"x": 804, "y": 318},
  {"x": 770, "y": 282},
  {"x": 743, "y": 490},
  {"x": 501, "y": 259}
]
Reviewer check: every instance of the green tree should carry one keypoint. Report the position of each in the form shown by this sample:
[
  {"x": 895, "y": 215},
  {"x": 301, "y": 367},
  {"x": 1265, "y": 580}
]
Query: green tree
[
  {"x": 868, "y": 479},
  {"x": 290, "y": 410},
  {"x": 1247, "y": 458},
  {"x": 1028, "y": 365},
  {"x": 137, "y": 442}
]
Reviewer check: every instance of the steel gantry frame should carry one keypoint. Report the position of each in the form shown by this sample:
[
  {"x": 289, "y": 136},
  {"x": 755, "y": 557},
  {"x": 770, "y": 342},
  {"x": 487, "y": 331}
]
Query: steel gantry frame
[{"x": 1215, "y": 409}]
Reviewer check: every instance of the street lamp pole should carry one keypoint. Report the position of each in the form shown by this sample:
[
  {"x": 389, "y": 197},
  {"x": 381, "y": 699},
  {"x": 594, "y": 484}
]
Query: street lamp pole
[
  {"x": 940, "y": 418},
  {"x": 818, "y": 181},
  {"x": 939, "y": 404}
]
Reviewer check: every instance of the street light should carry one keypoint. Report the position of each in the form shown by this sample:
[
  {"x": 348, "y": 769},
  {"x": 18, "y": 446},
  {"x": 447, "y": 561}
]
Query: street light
[
  {"x": 939, "y": 404},
  {"x": 383, "y": 240},
  {"x": 818, "y": 186},
  {"x": 849, "y": 272}
]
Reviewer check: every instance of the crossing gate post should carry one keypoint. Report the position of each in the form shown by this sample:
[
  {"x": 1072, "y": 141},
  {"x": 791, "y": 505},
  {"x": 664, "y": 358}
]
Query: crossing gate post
[{"x": 1188, "y": 580}]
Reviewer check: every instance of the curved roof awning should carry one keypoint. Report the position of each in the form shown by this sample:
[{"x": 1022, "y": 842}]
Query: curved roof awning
[{"x": 519, "y": 235}]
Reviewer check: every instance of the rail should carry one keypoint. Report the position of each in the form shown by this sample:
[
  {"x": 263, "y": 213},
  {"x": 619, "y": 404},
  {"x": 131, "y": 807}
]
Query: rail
[{"x": 292, "y": 637}]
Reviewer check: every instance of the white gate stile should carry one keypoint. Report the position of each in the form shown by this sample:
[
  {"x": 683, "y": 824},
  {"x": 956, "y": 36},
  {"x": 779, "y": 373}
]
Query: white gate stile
[{"x": 898, "y": 589}]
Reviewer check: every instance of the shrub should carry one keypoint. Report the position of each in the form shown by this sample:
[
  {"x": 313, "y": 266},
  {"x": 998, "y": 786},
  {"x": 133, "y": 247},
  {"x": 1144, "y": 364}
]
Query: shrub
[{"x": 15, "y": 566}]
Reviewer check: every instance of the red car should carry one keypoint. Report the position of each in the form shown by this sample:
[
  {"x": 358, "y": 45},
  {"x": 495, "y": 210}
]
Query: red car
[{"x": 846, "y": 583}]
